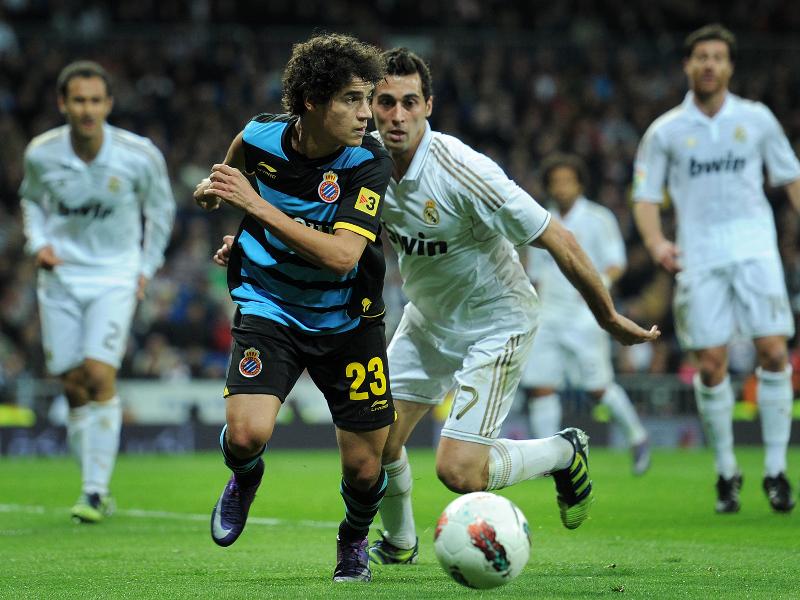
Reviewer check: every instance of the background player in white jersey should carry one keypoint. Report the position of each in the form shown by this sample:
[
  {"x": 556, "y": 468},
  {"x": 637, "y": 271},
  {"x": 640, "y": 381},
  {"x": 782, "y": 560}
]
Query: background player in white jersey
[
  {"x": 454, "y": 218},
  {"x": 711, "y": 151},
  {"x": 569, "y": 344},
  {"x": 86, "y": 186}
]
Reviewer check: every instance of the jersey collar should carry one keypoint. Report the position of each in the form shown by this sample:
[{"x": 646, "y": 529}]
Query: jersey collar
[
  {"x": 573, "y": 213},
  {"x": 415, "y": 168},
  {"x": 103, "y": 157},
  {"x": 694, "y": 111}
]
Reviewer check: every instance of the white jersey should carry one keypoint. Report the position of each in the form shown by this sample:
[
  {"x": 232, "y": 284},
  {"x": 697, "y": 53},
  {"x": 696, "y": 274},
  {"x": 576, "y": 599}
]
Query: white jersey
[
  {"x": 712, "y": 167},
  {"x": 454, "y": 220},
  {"x": 91, "y": 213},
  {"x": 597, "y": 231}
]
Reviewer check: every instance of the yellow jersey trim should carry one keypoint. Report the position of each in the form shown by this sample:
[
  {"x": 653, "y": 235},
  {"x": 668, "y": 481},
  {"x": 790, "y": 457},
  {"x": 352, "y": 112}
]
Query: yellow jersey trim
[{"x": 355, "y": 229}]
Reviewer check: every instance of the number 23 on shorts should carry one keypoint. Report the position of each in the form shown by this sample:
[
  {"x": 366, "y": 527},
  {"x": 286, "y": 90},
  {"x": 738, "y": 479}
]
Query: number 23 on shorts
[{"x": 358, "y": 373}]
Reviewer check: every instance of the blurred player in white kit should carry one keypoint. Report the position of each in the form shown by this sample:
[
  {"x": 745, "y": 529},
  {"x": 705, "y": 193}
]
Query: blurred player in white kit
[
  {"x": 710, "y": 151},
  {"x": 85, "y": 189},
  {"x": 569, "y": 344}
]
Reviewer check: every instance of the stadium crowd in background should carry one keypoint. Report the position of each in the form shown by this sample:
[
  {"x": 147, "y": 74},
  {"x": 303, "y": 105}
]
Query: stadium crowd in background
[{"x": 588, "y": 84}]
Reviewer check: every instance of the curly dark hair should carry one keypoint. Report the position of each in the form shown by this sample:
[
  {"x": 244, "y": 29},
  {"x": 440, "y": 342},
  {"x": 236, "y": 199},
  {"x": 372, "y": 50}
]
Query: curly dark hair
[{"x": 323, "y": 65}]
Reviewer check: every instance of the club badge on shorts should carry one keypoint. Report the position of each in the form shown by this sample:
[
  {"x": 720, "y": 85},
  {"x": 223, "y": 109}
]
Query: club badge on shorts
[
  {"x": 328, "y": 189},
  {"x": 250, "y": 365}
]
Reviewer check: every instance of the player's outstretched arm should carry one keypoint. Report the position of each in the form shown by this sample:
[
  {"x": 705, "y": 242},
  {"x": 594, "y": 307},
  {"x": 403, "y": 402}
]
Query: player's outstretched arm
[{"x": 577, "y": 267}]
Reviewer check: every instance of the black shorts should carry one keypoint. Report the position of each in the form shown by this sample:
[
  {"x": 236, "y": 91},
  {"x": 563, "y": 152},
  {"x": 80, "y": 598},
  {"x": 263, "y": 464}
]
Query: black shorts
[{"x": 349, "y": 368}]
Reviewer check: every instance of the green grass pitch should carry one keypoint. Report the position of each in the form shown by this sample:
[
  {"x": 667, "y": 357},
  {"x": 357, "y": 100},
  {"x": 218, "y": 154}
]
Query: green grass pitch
[{"x": 653, "y": 537}]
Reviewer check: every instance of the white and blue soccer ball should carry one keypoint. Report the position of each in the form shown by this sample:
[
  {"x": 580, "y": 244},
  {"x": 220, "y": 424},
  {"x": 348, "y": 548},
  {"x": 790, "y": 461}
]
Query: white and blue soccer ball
[{"x": 482, "y": 540}]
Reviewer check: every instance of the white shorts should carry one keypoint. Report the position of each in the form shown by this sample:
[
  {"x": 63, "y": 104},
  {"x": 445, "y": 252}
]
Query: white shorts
[
  {"x": 482, "y": 372},
  {"x": 568, "y": 352},
  {"x": 81, "y": 321},
  {"x": 749, "y": 297}
]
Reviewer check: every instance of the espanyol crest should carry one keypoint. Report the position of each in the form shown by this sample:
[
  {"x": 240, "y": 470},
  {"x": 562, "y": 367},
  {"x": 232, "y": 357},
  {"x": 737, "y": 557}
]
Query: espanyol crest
[
  {"x": 250, "y": 365},
  {"x": 329, "y": 190}
]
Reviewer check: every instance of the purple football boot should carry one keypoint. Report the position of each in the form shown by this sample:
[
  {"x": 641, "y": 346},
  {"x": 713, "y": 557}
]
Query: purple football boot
[
  {"x": 230, "y": 513},
  {"x": 352, "y": 561}
]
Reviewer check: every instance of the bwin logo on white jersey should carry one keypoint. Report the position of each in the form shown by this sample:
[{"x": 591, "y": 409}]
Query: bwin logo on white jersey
[
  {"x": 93, "y": 210},
  {"x": 417, "y": 246},
  {"x": 730, "y": 163}
]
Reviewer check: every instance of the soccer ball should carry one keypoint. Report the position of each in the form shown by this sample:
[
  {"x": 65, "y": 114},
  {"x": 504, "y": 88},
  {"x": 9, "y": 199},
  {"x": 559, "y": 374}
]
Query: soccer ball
[{"x": 482, "y": 540}]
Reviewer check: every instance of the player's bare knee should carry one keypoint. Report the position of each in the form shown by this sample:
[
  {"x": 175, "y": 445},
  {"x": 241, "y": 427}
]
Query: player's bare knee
[
  {"x": 75, "y": 389},
  {"x": 246, "y": 440},
  {"x": 362, "y": 475},
  {"x": 100, "y": 380},
  {"x": 77, "y": 394},
  {"x": 713, "y": 367},
  {"x": 460, "y": 480},
  {"x": 773, "y": 358}
]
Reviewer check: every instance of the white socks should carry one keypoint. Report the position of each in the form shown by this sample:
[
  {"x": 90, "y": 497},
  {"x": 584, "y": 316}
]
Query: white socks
[
  {"x": 396, "y": 510},
  {"x": 101, "y": 445},
  {"x": 77, "y": 426},
  {"x": 715, "y": 405},
  {"x": 622, "y": 411},
  {"x": 775, "y": 406},
  {"x": 512, "y": 461},
  {"x": 544, "y": 414}
]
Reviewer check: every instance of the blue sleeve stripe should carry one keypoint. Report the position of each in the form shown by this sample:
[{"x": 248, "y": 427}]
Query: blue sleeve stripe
[
  {"x": 352, "y": 157},
  {"x": 266, "y": 136}
]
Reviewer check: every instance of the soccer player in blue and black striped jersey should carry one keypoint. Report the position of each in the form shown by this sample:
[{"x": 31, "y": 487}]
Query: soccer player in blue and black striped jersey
[{"x": 306, "y": 271}]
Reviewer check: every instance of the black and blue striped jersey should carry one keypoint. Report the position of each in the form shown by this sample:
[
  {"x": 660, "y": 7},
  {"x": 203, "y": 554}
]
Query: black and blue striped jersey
[{"x": 340, "y": 191}]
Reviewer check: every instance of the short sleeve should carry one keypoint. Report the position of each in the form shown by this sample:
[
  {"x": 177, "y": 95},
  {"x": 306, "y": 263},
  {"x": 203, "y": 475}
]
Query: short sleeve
[
  {"x": 779, "y": 158},
  {"x": 497, "y": 201},
  {"x": 362, "y": 201},
  {"x": 611, "y": 242},
  {"x": 650, "y": 168}
]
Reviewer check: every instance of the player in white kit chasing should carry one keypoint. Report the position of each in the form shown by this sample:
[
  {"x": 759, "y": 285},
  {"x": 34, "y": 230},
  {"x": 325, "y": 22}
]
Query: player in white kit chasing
[
  {"x": 569, "y": 344},
  {"x": 454, "y": 218},
  {"x": 85, "y": 189},
  {"x": 710, "y": 152}
]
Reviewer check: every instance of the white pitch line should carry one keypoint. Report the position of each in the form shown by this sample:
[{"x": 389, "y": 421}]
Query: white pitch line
[{"x": 160, "y": 514}]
